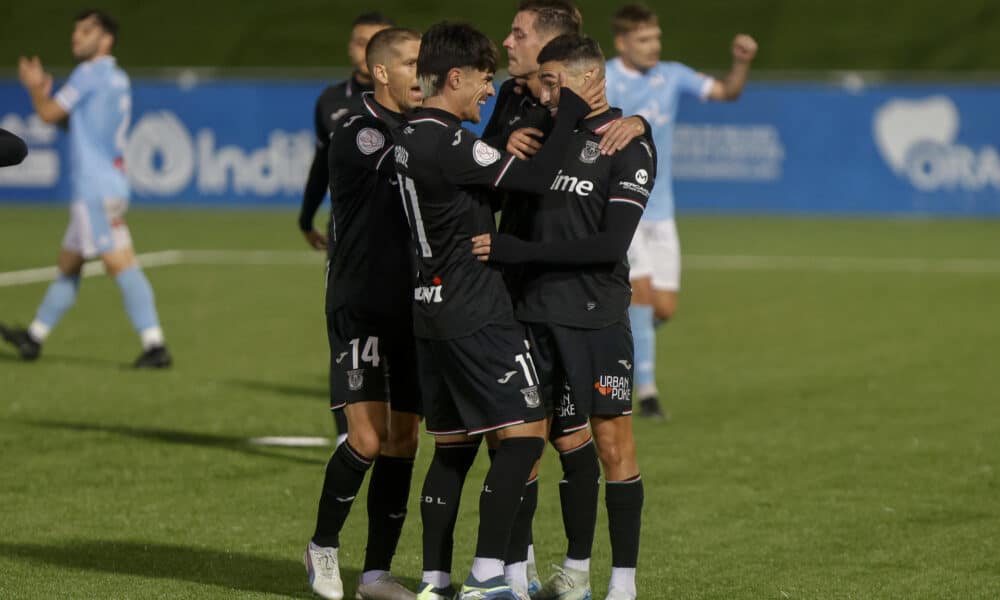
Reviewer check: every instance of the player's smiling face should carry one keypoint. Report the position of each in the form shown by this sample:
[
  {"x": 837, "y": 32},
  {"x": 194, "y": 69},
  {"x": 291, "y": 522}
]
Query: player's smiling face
[
  {"x": 523, "y": 45},
  {"x": 640, "y": 48},
  {"x": 90, "y": 39},
  {"x": 402, "y": 75},
  {"x": 475, "y": 90}
]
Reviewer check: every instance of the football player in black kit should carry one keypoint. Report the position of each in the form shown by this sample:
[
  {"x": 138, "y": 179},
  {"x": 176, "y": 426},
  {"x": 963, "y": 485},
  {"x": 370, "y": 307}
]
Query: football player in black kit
[
  {"x": 477, "y": 373},
  {"x": 370, "y": 325},
  {"x": 574, "y": 295},
  {"x": 331, "y": 106},
  {"x": 518, "y": 123}
]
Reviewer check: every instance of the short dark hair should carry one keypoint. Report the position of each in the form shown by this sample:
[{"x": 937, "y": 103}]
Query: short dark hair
[
  {"x": 107, "y": 23},
  {"x": 572, "y": 49},
  {"x": 446, "y": 46},
  {"x": 554, "y": 16},
  {"x": 630, "y": 17},
  {"x": 384, "y": 40},
  {"x": 372, "y": 18}
]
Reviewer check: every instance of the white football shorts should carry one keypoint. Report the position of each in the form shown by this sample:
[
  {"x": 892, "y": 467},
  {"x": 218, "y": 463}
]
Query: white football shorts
[
  {"x": 97, "y": 228},
  {"x": 656, "y": 253}
]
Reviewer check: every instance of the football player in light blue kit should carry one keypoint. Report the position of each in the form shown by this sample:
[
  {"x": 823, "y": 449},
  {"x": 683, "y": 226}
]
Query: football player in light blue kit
[
  {"x": 97, "y": 100},
  {"x": 639, "y": 83}
]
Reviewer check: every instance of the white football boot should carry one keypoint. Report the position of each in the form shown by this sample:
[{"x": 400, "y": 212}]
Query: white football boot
[{"x": 324, "y": 572}]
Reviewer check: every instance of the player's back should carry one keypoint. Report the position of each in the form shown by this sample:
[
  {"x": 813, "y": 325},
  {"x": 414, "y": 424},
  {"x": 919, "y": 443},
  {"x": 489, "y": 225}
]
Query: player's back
[
  {"x": 574, "y": 208},
  {"x": 656, "y": 95},
  {"x": 99, "y": 99},
  {"x": 456, "y": 294},
  {"x": 370, "y": 267}
]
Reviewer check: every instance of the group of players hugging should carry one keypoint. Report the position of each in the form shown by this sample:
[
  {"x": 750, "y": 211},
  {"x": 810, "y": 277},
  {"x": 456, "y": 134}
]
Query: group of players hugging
[{"x": 518, "y": 333}]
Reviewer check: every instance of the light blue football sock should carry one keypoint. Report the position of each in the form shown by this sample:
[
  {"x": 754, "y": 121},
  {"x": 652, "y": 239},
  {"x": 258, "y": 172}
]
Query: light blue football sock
[
  {"x": 140, "y": 305},
  {"x": 644, "y": 338},
  {"x": 60, "y": 296}
]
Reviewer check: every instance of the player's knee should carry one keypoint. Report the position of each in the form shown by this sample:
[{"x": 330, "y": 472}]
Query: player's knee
[
  {"x": 611, "y": 455},
  {"x": 366, "y": 441}
]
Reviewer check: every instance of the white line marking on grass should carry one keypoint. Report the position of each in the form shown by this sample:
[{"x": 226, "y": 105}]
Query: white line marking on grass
[
  {"x": 290, "y": 441},
  {"x": 842, "y": 264},
  {"x": 173, "y": 257}
]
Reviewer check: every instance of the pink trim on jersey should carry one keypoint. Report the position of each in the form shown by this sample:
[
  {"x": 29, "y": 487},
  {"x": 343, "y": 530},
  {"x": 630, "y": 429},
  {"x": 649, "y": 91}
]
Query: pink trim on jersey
[
  {"x": 364, "y": 100},
  {"x": 604, "y": 127},
  {"x": 503, "y": 171},
  {"x": 428, "y": 119},
  {"x": 378, "y": 165},
  {"x": 628, "y": 201}
]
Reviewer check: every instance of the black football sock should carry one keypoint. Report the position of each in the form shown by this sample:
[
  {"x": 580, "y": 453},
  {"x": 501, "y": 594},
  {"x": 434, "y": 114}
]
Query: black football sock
[
  {"x": 624, "y": 503},
  {"x": 340, "y": 420},
  {"x": 344, "y": 474},
  {"x": 439, "y": 501},
  {"x": 388, "y": 491},
  {"x": 499, "y": 501},
  {"x": 520, "y": 534},
  {"x": 579, "y": 491}
]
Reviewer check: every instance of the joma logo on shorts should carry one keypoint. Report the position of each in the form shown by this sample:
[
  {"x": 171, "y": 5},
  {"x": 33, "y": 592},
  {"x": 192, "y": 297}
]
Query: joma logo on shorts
[{"x": 428, "y": 294}]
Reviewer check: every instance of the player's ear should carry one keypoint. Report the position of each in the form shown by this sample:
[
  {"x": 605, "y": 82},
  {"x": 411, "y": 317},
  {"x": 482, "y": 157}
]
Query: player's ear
[
  {"x": 380, "y": 74},
  {"x": 455, "y": 78},
  {"x": 620, "y": 44}
]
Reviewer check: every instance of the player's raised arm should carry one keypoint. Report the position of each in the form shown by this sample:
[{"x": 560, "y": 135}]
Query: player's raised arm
[
  {"x": 12, "y": 149},
  {"x": 38, "y": 83},
  {"x": 730, "y": 88}
]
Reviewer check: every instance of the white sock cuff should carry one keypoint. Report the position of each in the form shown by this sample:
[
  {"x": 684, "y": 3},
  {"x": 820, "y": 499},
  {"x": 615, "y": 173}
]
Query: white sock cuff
[
  {"x": 151, "y": 337},
  {"x": 39, "y": 331},
  {"x": 577, "y": 564}
]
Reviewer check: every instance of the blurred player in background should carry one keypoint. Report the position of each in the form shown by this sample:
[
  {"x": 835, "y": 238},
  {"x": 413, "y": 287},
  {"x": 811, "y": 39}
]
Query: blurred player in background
[
  {"x": 331, "y": 106},
  {"x": 12, "y": 149},
  {"x": 638, "y": 82},
  {"x": 370, "y": 325},
  {"x": 97, "y": 100}
]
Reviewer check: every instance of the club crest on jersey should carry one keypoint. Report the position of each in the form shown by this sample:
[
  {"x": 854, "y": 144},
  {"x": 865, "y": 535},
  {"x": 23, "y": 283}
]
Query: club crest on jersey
[
  {"x": 590, "y": 153},
  {"x": 370, "y": 141},
  {"x": 355, "y": 379},
  {"x": 531, "y": 397},
  {"x": 484, "y": 154}
]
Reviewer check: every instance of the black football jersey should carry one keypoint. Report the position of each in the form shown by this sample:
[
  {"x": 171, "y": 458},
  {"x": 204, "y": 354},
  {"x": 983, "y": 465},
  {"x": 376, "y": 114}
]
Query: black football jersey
[
  {"x": 370, "y": 257},
  {"x": 336, "y": 102},
  {"x": 573, "y": 207},
  {"x": 445, "y": 175}
]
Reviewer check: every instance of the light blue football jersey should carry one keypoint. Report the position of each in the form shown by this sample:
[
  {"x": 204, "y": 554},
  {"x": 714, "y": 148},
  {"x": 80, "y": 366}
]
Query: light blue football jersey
[
  {"x": 655, "y": 95},
  {"x": 98, "y": 97}
]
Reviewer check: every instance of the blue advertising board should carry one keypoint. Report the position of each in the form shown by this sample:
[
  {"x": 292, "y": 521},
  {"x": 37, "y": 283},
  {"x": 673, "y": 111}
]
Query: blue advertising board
[{"x": 782, "y": 148}]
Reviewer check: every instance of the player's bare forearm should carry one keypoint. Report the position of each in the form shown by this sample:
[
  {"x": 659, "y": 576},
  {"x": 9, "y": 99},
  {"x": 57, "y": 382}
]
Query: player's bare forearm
[
  {"x": 735, "y": 81},
  {"x": 48, "y": 109}
]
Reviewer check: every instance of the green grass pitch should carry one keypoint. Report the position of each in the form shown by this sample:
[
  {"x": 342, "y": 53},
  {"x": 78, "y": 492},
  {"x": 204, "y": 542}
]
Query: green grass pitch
[{"x": 835, "y": 431}]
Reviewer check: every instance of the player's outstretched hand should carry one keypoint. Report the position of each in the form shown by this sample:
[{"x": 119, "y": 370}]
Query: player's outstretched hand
[
  {"x": 744, "y": 48},
  {"x": 481, "y": 246},
  {"x": 523, "y": 143},
  {"x": 33, "y": 75},
  {"x": 620, "y": 133},
  {"x": 315, "y": 239}
]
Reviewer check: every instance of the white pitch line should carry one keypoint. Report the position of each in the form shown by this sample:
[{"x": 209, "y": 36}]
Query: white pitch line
[{"x": 842, "y": 264}]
